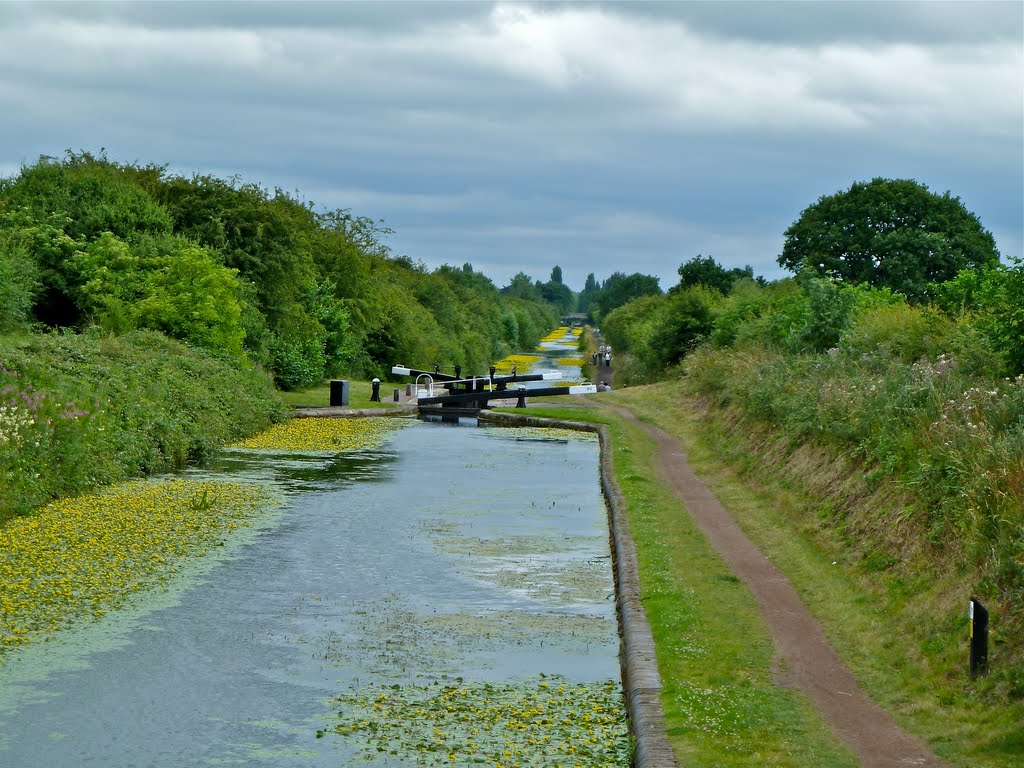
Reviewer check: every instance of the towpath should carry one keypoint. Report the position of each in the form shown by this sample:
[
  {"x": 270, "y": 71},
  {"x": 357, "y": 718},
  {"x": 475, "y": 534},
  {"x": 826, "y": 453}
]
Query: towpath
[{"x": 811, "y": 664}]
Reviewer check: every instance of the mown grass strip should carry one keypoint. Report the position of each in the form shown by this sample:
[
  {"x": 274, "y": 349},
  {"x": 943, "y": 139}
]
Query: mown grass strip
[
  {"x": 359, "y": 393},
  {"x": 714, "y": 653}
]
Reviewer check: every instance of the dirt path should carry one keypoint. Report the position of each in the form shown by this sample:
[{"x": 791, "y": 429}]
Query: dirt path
[{"x": 804, "y": 659}]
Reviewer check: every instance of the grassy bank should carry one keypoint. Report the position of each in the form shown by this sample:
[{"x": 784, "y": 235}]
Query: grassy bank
[
  {"x": 899, "y": 622},
  {"x": 359, "y": 393},
  {"x": 81, "y": 411},
  {"x": 714, "y": 653}
]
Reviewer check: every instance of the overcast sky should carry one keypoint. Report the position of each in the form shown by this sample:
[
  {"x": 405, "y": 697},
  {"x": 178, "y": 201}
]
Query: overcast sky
[{"x": 599, "y": 136}]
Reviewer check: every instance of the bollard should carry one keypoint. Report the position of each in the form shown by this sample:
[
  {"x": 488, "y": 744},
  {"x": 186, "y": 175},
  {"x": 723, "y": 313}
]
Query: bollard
[
  {"x": 339, "y": 392},
  {"x": 408, "y": 390},
  {"x": 521, "y": 402},
  {"x": 398, "y": 395},
  {"x": 375, "y": 391},
  {"x": 979, "y": 638}
]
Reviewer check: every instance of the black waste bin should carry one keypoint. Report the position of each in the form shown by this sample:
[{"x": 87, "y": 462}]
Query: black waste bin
[{"x": 339, "y": 392}]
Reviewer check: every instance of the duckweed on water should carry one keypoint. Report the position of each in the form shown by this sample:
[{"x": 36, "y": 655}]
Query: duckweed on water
[
  {"x": 538, "y": 721},
  {"x": 80, "y": 557},
  {"x": 324, "y": 435}
]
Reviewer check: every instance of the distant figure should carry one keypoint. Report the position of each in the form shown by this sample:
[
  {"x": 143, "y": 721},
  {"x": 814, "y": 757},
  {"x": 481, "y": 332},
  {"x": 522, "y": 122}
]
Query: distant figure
[
  {"x": 602, "y": 387},
  {"x": 593, "y": 359},
  {"x": 608, "y": 359}
]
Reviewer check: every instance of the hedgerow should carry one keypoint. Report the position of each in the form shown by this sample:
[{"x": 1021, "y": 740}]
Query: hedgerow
[{"x": 78, "y": 411}]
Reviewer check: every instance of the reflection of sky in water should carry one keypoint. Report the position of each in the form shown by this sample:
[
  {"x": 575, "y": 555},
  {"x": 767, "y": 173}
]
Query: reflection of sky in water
[{"x": 453, "y": 550}]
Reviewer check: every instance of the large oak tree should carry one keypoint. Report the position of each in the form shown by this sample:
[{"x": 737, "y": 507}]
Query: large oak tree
[{"x": 889, "y": 233}]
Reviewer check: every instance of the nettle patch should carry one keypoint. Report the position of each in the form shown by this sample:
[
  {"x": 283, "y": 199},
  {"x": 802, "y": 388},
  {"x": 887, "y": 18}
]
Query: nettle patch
[{"x": 535, "y": 721}]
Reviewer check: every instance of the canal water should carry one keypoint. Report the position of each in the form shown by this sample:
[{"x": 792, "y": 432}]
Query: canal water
[{"x": 453, "y": 550}]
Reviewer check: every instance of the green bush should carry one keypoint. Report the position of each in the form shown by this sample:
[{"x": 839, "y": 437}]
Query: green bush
[
  {"x": 993, "y": 301},
  {"x": 80, "y": 411},
  {"x": 900, "y": 331}
]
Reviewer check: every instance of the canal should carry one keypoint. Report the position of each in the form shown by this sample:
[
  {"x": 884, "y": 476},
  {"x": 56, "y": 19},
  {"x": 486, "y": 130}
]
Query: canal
[{"x": 450, "y": 558}]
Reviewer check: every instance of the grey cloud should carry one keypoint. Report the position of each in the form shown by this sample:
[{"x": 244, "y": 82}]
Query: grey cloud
[
  {"x": 611, "y": 151},
  {"x": 818, "y": 22}
]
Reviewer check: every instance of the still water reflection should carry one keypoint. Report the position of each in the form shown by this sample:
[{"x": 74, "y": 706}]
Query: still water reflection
[{"x": 454, "y": 550}]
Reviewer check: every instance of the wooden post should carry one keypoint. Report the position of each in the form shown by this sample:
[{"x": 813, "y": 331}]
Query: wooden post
[{"x": 979, "y": 639}]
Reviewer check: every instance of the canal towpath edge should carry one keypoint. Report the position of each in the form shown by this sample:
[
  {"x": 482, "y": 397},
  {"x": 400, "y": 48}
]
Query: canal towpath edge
[
  {"x": 811, "y": 664},
  {"x": 640, "y": 677}
]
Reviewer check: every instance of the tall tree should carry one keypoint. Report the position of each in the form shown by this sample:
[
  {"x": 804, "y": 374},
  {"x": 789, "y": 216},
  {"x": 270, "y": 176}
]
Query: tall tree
[
  {"x": 621, "y": 288},
  {"x": 889, "y": 233},
  {"x": 590, "y": 292},
  {"x": 704, "y": 270}
]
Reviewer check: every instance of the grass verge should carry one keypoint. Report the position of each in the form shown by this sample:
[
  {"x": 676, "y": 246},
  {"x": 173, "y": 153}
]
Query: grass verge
[
  {"x": 359, "y": 393},
  {"x": 877, "y": 620},
  {"x": 714, "y": 653}
]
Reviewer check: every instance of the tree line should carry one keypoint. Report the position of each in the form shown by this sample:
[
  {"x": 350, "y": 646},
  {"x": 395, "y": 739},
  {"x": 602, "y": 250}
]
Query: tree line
[
  {"x": 882, "y": 249},
  {"x": 257, "y": 276}
]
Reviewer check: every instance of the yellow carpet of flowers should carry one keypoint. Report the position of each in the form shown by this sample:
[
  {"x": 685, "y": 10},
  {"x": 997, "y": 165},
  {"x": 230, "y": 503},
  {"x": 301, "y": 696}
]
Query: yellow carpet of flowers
[
  {"x": 80, "y": 557},
  {"x": 558, "y": 334},
  {"x": 324, "y": 435},
  {"x": 521, "y": 363}
]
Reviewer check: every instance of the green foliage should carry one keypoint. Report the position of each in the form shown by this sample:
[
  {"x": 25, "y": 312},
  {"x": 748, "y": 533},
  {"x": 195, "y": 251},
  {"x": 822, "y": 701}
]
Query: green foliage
[
  {"x": 653, "y": 333},
  {"x": 684, "y": 322},
  {"x": 620, "y": 289},
  {"x": 944, "y": 434},
  {"x": 704, "y": 270},
  {"x": 892, "y": 233},
  {"x": 629, "y": 328},
  {"x": 993, "y": 302},
  {"x": 589, "y": 294},
  {"x": 162, "y": 283},
  {"x": 80, "y": 411},
  {"x": 19, "y": 278},
  {"x": 246, "y": 272}
]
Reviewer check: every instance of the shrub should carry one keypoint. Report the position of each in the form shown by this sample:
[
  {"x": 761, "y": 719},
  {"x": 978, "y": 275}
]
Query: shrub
[
  {"x": 899, "y": 331},
  {"x": 79, "y": 411}
]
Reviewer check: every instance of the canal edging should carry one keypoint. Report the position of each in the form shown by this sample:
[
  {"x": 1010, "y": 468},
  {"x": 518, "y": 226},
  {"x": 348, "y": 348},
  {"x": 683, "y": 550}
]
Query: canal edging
[{"x": 640, "y": 678}]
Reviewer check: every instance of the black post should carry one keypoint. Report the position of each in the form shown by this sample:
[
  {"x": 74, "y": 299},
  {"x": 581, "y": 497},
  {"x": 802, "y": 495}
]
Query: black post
[
  {"x": 979, "y": 639},
  {"x": 521, "y": 402},
  {"x": 375, "y": 393},
  {"x": 458, "y": 371},
  {"x": 398, "y": 395}
]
